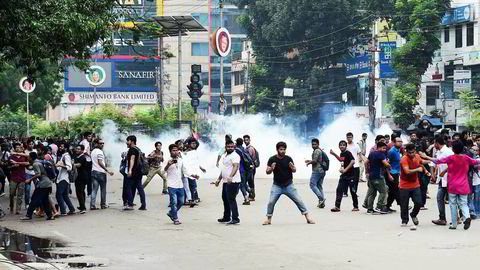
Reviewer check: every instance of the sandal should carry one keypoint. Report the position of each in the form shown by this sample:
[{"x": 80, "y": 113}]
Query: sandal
[{"x": 176, "y": 222}]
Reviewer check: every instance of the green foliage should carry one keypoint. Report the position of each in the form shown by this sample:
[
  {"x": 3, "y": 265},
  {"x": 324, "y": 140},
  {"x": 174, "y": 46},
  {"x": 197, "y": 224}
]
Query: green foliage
[
  {"x": 292, "y": 39},
  {"x": 14, "y": 122},
  {"x": 471, "y": 103},
  {"x": 47, "y": 89},
  {"x": 404, "y": 100}
]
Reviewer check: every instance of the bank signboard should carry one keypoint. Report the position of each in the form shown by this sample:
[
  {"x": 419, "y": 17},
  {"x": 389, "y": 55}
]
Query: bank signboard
[
  {"x": 110, "y": 97},
  {"x": 126, "y": 74}
]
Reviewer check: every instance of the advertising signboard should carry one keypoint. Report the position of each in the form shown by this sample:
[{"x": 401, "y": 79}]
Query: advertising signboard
[{"x": 462, "y": 80}]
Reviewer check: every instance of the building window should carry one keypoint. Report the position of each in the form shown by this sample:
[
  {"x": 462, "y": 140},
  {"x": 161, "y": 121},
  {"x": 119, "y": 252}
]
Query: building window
[
  {"x": 239, "y": 78},
  {"x": 458, "y": 36},
  {"x": 433, "y": 93},
  {"x": 199, "y": 48},
  {"x": 202, "y": 18},
  {"x": 470, "y": 34},
  {"x": 446, "y": 35}
]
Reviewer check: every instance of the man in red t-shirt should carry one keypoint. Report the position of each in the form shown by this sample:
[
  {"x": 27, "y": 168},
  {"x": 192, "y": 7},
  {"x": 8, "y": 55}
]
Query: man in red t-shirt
[
  {"x": 410, "y": 165},
  {"x": 17, "y": 177}
]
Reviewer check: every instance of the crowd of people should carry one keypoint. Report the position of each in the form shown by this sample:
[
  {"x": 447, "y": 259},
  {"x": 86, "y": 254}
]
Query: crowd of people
[{"x": 398, "y": 173}]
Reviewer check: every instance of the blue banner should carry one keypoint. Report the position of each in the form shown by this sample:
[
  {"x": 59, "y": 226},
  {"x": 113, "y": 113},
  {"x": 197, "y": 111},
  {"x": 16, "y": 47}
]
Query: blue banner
[
  {"x": 386, "y": 53},
  {"x": 358, "y": 65}
]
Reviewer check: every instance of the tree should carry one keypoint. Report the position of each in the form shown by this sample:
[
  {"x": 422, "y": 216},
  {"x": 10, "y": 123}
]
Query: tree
[
  {"x": 292, "y": 38},
  {"x": 471, "y": 102},
  {"x": 418, "y": 21},
  {"x": 47, "y": 89}
]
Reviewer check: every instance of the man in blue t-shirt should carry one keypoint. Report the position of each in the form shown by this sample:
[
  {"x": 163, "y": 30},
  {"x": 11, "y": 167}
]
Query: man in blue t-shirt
[
  {"x": 394, "y": 155},
  {"x": 376, "y": 165}
]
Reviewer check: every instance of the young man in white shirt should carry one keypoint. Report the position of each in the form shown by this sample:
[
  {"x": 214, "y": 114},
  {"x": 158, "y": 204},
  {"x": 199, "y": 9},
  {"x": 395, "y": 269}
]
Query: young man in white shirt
[
  {"x": 439, "y": 175},
  {"x": 99, "y": 175},
  {"x": 230, "y": 165},
  {"x": 357, "y": 154},
  {"x": 192, "y": 162},
  {"x": 64, "y": 166},
  {"x": 176, "y": 170}
]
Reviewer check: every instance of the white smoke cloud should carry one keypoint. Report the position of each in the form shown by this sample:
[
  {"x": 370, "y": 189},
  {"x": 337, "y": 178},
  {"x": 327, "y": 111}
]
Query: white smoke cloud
[{"x": 264, "y": 133}]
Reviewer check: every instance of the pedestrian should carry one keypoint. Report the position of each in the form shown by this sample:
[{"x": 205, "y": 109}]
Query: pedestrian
[
  {"x": 362, "y": 144},
  {"x": 347, "y": 177},
  {"x": 4, "y": 165},
  {"x": 134, "y": 175},
  {"x": 231, "y": 176},
  {"x": 440, "y": 176},
  {"x": 411, "y": 166},
  {"x": 86, "y": 142},
  {"x": 476, "y": 187},
  {"x": 29, "y": 172},
  {"x": 246, "y": 164},
  {"x": 99, "y": 175},
  {"x": 80, "y": 161},
  {"x": 43, "y": 188},
  {"x": 458, "y": 185},
  {"x": 376, "y": 165},
  {"x": 18, "y": 163},
  {"x": 318, "y": 173},
  {"x": 256, "y": 161},
  {"x": 192, "y": 163},
  {"x": 394, "y": 156},
  {"x": 64, "y": 166},
  {"x": 357, "y": 154},
  {"x": 176, "y": 170},
  {"x": 282, "y": 167},
  {"x": 155, "y": 159}
]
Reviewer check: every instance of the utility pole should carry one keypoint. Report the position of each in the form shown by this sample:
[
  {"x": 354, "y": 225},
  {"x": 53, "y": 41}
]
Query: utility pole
[
  {"x": 246, "y": 81},
  {"x": 221, "y": 58},
  {"x": 160, "y": 76},
  {"x": 371, "y": 89},
  {"x": 179, "y": 74}
]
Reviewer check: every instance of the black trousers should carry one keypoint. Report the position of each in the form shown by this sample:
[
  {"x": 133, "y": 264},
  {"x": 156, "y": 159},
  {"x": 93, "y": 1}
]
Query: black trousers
[
  {"x": 405, "y": 196},
  {"x": 40, "y": 199},
  {"x": 89, "y": 178},
  {"x": 393, "y": 191},
  {"x": 80, "y": 185},
  {"x": 343, "y": 185},
  {"x": 229, "y": 198}
]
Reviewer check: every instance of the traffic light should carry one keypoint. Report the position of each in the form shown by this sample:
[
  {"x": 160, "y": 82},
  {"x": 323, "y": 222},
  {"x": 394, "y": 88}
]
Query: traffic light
[{"x": 195, "y": 87}]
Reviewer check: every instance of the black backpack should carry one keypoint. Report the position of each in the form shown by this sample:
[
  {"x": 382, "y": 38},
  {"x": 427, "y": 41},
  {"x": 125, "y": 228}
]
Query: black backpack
[
  {"x": 246, "y": 158},
  {"x": 143, "y": 164},
  {"x": 325, "y": 162}
]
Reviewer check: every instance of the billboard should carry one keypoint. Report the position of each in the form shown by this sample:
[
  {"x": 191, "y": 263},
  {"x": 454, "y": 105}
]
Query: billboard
[
  {"x": 358, "y": 65},
  {"x": 110, "y": 97},
  {"x": 386, "y": 53},
  {"x": 462, "y": 80},
  {"x": 123, "y": 74}
]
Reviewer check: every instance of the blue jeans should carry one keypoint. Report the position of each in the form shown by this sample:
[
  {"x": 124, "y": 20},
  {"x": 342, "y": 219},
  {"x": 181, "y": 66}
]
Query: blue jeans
[
  {"x": 62, "y": 194},
  {"x": 316, "y": 184},
  {"x": 99, "y": 180},
  {"x": 291, "y": 192},
  {"x": 176, "y": 201},
  {"x": 476, "y": 200},
  {"x": 461, "y": 201},
  {"x": 244, "y": 183},
  {"x": 441, "y": 192}
]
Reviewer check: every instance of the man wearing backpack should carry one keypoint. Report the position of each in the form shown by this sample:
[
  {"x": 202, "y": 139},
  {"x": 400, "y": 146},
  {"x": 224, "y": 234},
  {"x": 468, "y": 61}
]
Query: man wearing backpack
[
  {"x": 42, "y": 190},
  {"x": 134, "y": 174},
  {"x": 246, "y": 165},
  {"x": 256, "y": 161},
  {"x": 318, "y": 172}
]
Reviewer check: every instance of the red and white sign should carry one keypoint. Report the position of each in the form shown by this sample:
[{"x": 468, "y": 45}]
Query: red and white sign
[
  {"x": 26, "y": 85},
  {"x": 110, "y": 97},
  {"x": 221, "y": 42}
]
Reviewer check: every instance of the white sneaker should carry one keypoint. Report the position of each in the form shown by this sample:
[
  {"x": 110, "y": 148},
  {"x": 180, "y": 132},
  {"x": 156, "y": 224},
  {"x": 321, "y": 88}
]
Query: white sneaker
[
  {"x": 413, "y": 228},
  {"x": 404, "y": 225}
]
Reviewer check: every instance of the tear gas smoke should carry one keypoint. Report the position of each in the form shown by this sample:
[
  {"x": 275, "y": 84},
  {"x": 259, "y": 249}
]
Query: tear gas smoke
[{"x": 264, "y": 133}]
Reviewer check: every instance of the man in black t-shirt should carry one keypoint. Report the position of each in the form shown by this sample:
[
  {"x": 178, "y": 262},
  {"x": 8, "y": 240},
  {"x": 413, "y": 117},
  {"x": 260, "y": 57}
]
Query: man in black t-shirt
[
  {"x": 283, "y": 168},
  {"x": 82, "y": 176},
  {"x": 347, "y": 177},
  {"x": 134, "y": 174}
]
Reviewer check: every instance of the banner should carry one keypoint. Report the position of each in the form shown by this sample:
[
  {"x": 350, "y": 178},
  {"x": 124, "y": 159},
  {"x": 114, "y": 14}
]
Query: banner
[
  {"x": 110, "y": 97},
  {"x": 462, "y": 80},
  {"x": 386, "y": 53}
]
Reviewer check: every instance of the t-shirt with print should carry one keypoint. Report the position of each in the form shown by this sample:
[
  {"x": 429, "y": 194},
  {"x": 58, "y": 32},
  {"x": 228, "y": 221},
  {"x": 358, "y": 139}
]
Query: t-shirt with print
[
  {"x": 17, "y": 174},
  {"x": 317, "y": 157},
  {"x": 375, "y": 160},
  {"x": 282, "y": 174},
  {"x": 409, "y": 181},
  {"x": 345, "y": 158}
]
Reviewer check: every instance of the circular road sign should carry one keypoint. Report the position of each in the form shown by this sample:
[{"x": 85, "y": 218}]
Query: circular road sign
[
  {"x": 95, "y": 75},
  {"x": 27, "y": 85},
  {"x": 222, "y": 42}
]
